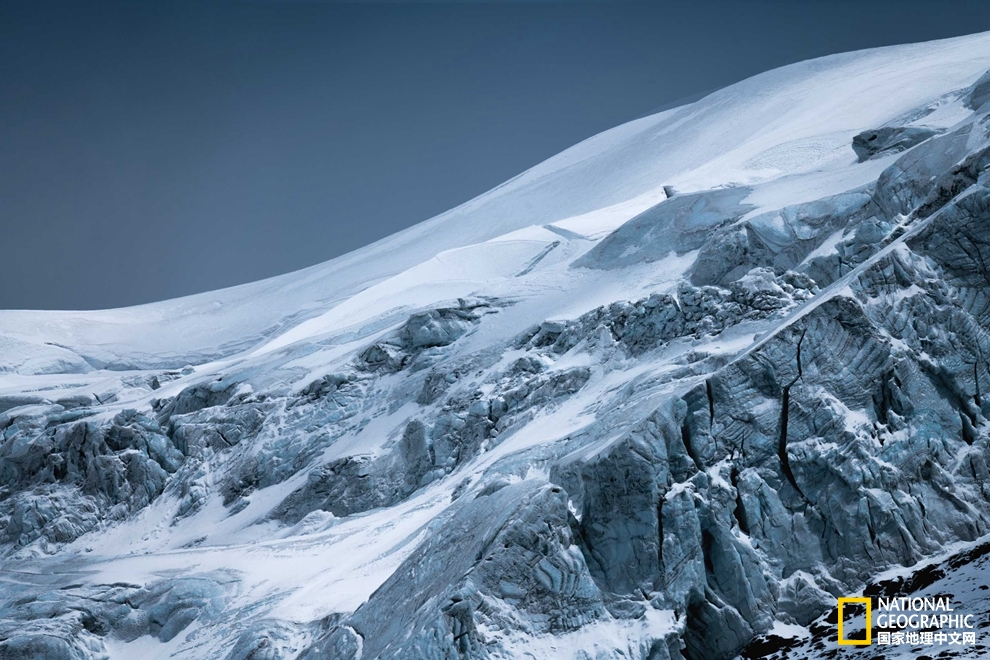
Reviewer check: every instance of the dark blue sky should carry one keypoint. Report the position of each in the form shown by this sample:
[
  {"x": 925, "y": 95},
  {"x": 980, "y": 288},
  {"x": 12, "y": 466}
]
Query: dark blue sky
[{"x": 149, "y": 152}]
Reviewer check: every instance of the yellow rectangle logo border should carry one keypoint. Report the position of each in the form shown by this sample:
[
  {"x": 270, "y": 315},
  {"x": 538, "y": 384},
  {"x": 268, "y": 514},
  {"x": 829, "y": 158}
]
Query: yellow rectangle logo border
[{"x": 868, "y": 602}]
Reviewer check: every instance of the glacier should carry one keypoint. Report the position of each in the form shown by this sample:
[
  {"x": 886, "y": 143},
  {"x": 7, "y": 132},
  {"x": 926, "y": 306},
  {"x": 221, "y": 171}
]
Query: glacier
[{"x": 666, "y": 395}]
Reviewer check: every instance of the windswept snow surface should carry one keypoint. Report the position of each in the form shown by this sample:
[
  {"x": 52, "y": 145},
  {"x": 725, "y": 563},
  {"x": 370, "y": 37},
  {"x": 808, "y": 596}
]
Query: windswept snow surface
[
  {"x": 437, "y": 443},
  {"x": 778, "y": 128}
]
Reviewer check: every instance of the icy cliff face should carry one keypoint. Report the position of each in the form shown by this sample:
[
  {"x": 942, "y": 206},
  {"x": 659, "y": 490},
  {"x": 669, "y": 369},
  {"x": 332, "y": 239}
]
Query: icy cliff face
[{"x": 663, "y": 395}]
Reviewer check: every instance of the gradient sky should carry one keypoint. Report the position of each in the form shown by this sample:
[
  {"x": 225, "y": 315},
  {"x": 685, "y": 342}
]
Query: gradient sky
[{"x": 152, "y": 152}]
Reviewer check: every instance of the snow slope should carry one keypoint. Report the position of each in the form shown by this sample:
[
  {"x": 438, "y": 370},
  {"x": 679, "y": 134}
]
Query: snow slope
[
  {"x": 788, "y": 129},
  {"x": 572, "y": 415}
]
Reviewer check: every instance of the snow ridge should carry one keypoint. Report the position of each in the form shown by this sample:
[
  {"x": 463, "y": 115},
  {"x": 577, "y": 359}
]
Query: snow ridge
[{"x": 664, "y": 395}]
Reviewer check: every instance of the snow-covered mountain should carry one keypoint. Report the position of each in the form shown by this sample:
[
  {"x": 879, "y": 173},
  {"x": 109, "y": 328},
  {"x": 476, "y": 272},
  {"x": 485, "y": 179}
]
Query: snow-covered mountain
[{"x": 670, "y": 392}]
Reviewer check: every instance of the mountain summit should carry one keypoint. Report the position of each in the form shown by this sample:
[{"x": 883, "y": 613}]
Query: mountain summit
[{"x": 668, "y": 394}]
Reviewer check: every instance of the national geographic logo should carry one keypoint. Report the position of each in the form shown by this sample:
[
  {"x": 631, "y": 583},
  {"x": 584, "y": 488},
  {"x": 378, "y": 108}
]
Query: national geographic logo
[
  {"x": 925, "y": 621},
  {"x": 867, "y": 603}
]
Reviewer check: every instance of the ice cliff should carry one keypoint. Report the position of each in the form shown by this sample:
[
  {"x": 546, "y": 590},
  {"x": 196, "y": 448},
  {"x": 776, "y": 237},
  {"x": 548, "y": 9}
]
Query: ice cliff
[{"x": 664, "y": 395}]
